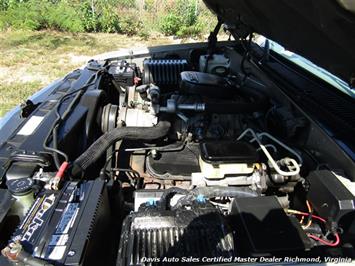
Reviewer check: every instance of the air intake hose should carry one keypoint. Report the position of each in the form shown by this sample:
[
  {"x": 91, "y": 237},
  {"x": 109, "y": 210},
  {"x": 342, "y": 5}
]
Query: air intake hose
[
  {"x": 260, "y": 103},
  {"x": 99, "y": 147}
]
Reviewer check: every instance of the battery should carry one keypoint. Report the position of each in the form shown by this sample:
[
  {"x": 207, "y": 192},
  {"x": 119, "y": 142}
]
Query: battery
[{"x": 63, "y": 226}]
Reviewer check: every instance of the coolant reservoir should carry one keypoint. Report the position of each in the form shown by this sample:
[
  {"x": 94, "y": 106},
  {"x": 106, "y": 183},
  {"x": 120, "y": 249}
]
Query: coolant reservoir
[{"x": 21, "y": 190}]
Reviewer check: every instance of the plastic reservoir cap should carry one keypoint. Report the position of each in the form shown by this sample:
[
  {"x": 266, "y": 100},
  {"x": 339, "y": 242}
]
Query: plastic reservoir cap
[{"x": 20, "y": 187}]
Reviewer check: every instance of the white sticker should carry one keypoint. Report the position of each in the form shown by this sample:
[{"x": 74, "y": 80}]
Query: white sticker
[
  {"x": 30, "y": 125},
  {"x": 57, "y": 253},
  {"x": 59, "y": 240}
]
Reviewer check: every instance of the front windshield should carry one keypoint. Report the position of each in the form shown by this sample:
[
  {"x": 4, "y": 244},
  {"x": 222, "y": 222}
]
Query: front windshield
[{"x": 307, "y": 65}]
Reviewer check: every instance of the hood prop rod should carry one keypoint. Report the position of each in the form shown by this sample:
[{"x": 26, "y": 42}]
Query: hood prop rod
[{"x": 212, "y": 42}]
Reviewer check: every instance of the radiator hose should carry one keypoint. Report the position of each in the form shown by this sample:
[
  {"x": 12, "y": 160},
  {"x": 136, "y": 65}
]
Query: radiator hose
[{"x": 99, "y": 147}]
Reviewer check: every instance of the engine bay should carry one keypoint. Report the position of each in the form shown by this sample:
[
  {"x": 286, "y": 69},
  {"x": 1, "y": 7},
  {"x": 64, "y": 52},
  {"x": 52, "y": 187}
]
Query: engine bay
[{"x": 181, "y": 154}]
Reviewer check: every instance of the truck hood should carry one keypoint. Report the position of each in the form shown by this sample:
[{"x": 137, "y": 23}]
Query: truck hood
[{"x": 321, "y": 31}]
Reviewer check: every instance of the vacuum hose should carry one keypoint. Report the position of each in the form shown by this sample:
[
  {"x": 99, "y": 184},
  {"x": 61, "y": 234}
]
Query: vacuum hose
[{"x": 99, "y": 147}]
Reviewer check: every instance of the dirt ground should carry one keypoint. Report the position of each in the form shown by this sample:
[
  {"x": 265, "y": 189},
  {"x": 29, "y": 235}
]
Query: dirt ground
[{"x": 31, "y": 60}]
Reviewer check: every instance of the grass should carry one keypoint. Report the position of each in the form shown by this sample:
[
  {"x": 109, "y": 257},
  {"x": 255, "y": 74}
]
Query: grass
[{"x": 31, "y": 60}]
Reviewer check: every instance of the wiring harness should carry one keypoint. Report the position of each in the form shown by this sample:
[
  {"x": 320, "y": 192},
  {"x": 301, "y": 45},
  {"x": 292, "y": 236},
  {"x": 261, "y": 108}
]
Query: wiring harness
[{"x": 311, "y": 217}]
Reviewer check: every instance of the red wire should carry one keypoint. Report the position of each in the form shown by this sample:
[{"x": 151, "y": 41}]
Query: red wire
[
  {"x": 313, "y": 216},
  {"x": 325, "y": 242},
  {"x": 62, "y": 169}
]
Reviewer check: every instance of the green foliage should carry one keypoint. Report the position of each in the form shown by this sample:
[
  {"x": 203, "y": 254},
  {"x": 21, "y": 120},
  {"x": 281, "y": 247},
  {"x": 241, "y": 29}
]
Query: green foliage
[
  {"x": 170, "y": 24},
  {"x": 27, "y": 15},
  {"x": 182, "y": 19},
  {"x": 130, "y": 25},
  {"x": 108, "y": 21},
  {"x": 89, "y": 18},
  {"x": 124, "y": 3},
  {"x": 149, "y": 5},
  {"x": 3, "y": 5},
  {"x": 187, "y": 10},
  {"x": 64, "y": 17},
  {"x": 99, "y": 18},
  {"x": 37, "y": 15},
  {"x": 188, "y": 31},
  {"x": 174, "y": 17}
]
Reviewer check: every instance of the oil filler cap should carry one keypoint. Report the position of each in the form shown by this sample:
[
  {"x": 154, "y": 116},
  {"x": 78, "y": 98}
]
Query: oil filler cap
[{"x": 20, "y": 187}]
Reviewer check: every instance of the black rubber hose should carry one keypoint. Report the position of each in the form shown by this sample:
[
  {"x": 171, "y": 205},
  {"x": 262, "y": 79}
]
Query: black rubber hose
[
  {"x": 260, "y": 103},
  {"x": 231, "y": 108},
  {"x": 99, "y": 147}
]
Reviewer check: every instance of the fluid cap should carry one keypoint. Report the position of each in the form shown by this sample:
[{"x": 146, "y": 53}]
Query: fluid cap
[{"x": 20, "y": 187}]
